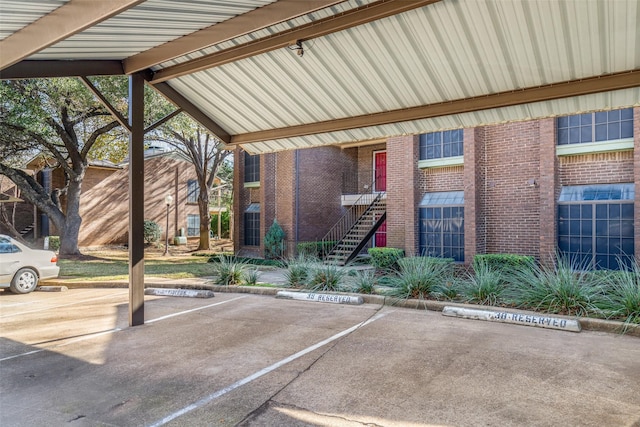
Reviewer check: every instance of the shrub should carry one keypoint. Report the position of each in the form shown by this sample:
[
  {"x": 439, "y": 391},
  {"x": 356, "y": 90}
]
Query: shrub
[
  {"x": 564, "y": 288},
  {"x": 314, "y": 249},
  {"x": 250, "y": 276},
  {"x": 503, "y": 262},
  {"x": 229, "y": 271},
  {"x": 385, "y": 258},
  {"x": 363, "y": 281},
  {"x": 54, "y": 243},
  {"x": 326, "y": 277},
  {"x": 152, "y": 232},
  {"x": 274, "y": 241},
  {"x": 245, "y": 260},
  {"x": 298, "y": 271},
  {"x": 418, "y": 277},
  {"x": 224, "y": 224},
  {"x": 622, "y": 294},
  {"x": 484, "y": 285}
]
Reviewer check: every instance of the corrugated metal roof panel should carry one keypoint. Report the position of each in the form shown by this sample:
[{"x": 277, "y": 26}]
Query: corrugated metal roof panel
[
  {"x": 537, "y": 110},
  {"x": 17, "y": 14},
  {"x": 147, "y": 25},
  {"x": 446, "y": 51}
]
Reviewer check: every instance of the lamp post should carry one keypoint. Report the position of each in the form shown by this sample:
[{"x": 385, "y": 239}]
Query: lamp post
[{"x": 167, "y": 200}]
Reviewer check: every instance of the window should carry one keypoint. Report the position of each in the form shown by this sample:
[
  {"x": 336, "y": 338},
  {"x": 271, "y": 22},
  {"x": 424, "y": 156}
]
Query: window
[
  {"x": 252, "y": 225},
  {"x": 192, "y": 191},
  {"x": 595, "y": 127},
  {"x": 193, "y": 225},
  {"x": 595, "y": 225},
  {"x": 7, "y": 247},
  {"x": 441, "y": 228},
  {"x": 437, "y": 145},
  {"x": 251, "y": 168}
]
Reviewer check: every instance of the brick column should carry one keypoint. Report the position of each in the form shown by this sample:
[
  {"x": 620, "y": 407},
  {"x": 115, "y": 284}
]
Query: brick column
[
  {"x": 402, "y": 193},
  {"x": 267, "y": 195},
  {"x": 238, "y": 188},
  {"x": 549, "y": 190},
  {"x": 636, "y": 175},
  {"x": 474, "y": 238}
]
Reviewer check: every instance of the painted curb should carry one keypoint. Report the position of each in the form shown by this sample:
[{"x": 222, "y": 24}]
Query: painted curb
[
  {"x": 537, "y": 320},
  {"x": 171, "y": 292},
  {"x": 321, "y": 297},
  {"x": 52, "y": 288}
]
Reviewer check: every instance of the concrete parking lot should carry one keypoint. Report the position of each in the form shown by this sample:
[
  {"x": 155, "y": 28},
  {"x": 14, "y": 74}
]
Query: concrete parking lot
[{"x": 69, "y": 358}]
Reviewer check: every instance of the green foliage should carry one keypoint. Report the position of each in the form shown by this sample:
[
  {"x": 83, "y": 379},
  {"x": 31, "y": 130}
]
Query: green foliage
[
  {"x": 314, "y": 249},
  {"x": 245, "y": 260},
  {"x": 152, "y": 232},
  {"x": 363, "y": 281},
  {"x": 327, "y": 277},
  {"x": 385, "y": 258},
  {"x": 564, "y": 288},
  {"x": 250, "y": 277},
  {"x": 503, "y": 262},
  {"x": 224, "y": 224},
  {"x": 297, "y": 273},
  {"x": 229, "y": 271},
  {"x": 54, "y": 243},
  {"x": 484, "y": 285},
  {"x": 274, "y": 241},
  {"x": 621, "y": 298},
  {"x": 418, "y": 277}
]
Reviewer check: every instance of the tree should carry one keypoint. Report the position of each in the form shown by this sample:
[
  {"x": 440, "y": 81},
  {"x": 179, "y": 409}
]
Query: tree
[
  {"x": 64, "y": 122},
  {"x": 60, "y": 119},
  {"x": 207, "y": 154}
]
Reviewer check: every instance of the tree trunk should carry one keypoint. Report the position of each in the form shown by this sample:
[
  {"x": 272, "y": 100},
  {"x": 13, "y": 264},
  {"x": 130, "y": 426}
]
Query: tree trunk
[
  {"x": 205, "y": 219},
  {"x": 69, "y": 237}
]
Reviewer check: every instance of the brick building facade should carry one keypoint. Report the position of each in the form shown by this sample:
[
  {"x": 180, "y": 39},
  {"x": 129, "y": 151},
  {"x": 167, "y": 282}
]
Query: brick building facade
[{"x": 522, "y": 187}]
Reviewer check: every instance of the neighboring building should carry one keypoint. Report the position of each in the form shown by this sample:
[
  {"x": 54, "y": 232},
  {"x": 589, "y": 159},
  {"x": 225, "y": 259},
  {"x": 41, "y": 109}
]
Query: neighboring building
[
  {"x": 570, "y": 184},
  {"x": 104, "y": 205}
]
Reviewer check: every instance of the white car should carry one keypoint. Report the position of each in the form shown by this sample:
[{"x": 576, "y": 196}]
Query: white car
[{"x": 22, "y": 267}]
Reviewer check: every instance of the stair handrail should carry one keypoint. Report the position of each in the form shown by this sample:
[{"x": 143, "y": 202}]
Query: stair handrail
[{"x": 341, "y": 228}]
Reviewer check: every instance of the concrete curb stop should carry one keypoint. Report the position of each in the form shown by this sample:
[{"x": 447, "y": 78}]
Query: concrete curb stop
[
  {"x": 319, "y": 297},
  {"x": 52, "y": 288},
  {"x": 525, "y": 319},
  {"x": 168, "y": 292}
]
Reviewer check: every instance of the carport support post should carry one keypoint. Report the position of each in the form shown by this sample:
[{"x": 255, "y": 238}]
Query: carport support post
[{"x": 136, "y": 200}]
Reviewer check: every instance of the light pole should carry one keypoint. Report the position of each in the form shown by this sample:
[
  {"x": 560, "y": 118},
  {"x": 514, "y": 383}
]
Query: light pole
[{"x": 167, "y": 200}]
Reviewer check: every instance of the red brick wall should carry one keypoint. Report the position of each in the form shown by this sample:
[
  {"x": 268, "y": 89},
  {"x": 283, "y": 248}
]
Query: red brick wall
[
  {"x": 511, "y": 202},
  {"x": 402, "y": 193},
  {"x": 597, "y": 168},
  {"x": 105, "y": 206},
  {"x": 636, "y": 174},
  {"x": 320, "y": 190},
  {"x": 473, "y": 179},
  {"x": 549, "y": 188}
]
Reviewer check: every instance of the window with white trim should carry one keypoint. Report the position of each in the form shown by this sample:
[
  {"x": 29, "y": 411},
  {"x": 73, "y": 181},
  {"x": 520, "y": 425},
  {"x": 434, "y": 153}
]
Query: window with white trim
[
  {"x": 192, "y": 191},
  {"x": 193, "y": 225},
  {"x": 252, "y": 225},
  {"x": 595, "y": 225},
  {"x": 438, "y": 145},
  {"x": 595, "y": 127},
  {"x": 441, "y": 228}
]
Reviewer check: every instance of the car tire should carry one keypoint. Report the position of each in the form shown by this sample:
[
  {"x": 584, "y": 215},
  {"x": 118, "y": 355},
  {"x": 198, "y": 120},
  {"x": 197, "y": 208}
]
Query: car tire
[{"x": 25, "y": 281}]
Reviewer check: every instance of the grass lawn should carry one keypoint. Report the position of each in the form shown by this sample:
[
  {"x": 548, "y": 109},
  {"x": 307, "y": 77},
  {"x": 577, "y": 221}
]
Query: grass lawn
[{"x": 113, "y": 264}]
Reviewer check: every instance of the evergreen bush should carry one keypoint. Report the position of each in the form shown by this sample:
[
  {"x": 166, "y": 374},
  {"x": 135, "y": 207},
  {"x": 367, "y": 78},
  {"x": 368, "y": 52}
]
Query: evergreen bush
[
  {"x": 385, "y": 258},
  {"x": 152, "y": 232},
  {"x": 274, "y": 241}
]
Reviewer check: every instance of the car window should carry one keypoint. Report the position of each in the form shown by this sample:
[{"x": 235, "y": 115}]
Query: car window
[{"x": 6, "y": 247}]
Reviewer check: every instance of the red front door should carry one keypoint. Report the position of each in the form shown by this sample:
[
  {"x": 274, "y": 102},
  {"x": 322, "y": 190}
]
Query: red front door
[
  {"x": 380, "y": 170},
  {"x": 381, "y": 236}
]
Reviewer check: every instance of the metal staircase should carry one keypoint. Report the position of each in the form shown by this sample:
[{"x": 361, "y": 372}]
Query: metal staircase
[{"x": 354, "y": 230}]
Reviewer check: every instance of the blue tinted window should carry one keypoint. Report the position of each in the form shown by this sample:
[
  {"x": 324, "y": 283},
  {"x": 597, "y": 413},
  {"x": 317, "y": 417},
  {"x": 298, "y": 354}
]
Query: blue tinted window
[{"x": 595, "y": 127}]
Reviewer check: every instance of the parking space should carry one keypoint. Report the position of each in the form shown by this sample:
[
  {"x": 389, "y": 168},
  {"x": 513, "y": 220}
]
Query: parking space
[{"x": 238, "y": 359}]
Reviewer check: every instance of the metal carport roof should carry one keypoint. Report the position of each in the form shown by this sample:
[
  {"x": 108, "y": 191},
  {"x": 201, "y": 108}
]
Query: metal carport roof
[{"x": 370, "y": 69}]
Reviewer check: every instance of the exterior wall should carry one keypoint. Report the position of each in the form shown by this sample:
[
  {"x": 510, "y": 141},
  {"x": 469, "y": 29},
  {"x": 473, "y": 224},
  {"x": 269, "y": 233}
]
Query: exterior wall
[
  {"x": 402, "y": 193},
  {"x": 636, "y": 174},
  {"x": 105, "y": 206},
  {"x": 511, "y": 179},
  {"x": 511, "y": 199}
]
